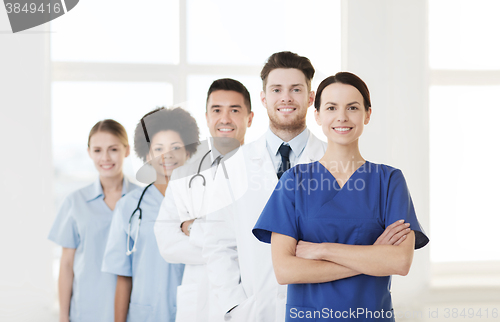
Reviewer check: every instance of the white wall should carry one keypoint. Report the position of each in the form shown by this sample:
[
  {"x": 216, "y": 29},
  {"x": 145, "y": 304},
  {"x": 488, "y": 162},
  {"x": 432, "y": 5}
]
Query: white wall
[
  {"x": 384, "y": 42},
  {"x": 26, "y": 287}
]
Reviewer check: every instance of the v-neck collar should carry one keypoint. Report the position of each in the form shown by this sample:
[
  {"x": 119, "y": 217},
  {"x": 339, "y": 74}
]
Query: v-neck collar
[
  {"x": 156, "y": 193},
  {"x": 95, "y": 190},
  {"x": 349, "y": 179}
]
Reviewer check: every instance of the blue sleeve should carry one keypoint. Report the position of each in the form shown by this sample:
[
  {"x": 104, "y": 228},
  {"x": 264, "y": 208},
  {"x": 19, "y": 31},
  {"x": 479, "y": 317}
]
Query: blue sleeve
[
  {"x": 400, "y": 206},
  {"x": 64, "y": 231},
  {"x": 115, "y": 260},
  {"x": 279, "y": 214}
]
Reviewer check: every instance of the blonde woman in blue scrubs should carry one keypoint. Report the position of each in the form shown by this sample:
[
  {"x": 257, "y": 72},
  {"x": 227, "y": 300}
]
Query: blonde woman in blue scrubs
[
  {"x": 324, "y": 219},
  {"x": 82, "y": 225},
  {"x": 147, "y": 285}
]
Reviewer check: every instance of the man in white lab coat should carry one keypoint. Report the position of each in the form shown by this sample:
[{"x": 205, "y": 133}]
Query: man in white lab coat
[
  {"x": 239, "y": 266},
  {"x": 190, "y": 195}
]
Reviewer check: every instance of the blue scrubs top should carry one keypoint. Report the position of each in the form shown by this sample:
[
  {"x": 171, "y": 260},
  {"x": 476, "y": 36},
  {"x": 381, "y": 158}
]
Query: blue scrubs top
[
  {"x": 154, "y": 281},
  {"x": 83, "y": 223},
  {"x": 308, "y": 204}
]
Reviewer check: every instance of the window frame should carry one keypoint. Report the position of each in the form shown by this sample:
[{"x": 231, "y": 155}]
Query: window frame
[{"x": 464, "y": 274}]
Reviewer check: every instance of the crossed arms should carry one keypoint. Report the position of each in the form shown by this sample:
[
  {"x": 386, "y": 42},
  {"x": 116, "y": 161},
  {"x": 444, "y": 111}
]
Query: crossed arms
[{"x": 303, "y": 262}]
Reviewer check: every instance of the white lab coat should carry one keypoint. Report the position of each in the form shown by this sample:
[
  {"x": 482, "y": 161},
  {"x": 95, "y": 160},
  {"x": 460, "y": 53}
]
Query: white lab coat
[
  {"x": 239, "y": 266},
  {"x": 195, "y": 303}
]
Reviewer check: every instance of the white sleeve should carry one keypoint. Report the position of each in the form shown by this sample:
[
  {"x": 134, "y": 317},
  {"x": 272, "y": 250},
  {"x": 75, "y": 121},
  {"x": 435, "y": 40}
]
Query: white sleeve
[
  {"x": 197, "y": 233},
  {"x": 173, "y": 244},
  {"x": 220, "y": 251}
]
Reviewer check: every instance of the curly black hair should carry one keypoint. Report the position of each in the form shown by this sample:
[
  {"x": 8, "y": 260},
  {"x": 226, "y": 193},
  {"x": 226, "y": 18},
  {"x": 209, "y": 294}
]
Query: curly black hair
[{"x": 163, "y": 119}]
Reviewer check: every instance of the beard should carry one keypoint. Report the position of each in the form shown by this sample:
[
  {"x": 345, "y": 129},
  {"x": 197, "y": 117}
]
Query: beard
[{"x": 296, "y": 123}]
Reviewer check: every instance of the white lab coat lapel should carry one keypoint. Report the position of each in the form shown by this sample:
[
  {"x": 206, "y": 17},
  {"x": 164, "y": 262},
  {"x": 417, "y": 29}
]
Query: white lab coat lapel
[
  {"x": 261, "y": 165},
  {"x": 237, "y": 184},
  {"x": 314, "y": 150}
]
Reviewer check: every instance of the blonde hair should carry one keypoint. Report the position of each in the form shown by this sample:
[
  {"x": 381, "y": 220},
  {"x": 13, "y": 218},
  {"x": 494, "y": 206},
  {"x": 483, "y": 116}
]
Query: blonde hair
[{"x": 112, "y": 127}]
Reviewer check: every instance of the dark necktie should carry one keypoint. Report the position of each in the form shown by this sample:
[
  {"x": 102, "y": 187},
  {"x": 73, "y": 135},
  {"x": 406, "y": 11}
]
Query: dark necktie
[
  {"x": 216, "y": 164},
  {"x": 285, "y": 159}
]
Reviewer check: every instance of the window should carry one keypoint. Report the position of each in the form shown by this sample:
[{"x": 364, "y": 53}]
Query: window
[
  {"x": 116, "y": 31},
  {"x": 464, "y": 107},
  {"x": 77, "y": 106},
  {"x": 158, "y": 53}
]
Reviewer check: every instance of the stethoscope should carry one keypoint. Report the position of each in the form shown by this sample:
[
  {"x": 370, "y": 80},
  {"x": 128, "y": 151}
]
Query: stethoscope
[
  {"x": 201, "y": 207},
  {"x": 198, "y": 174},
  {"x": 138, "y": 208}
]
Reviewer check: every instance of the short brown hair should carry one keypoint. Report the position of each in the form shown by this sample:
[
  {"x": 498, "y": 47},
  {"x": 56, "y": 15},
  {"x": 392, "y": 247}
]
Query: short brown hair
[
  {"x": 112, "y": 127},
  {"x": 287, "y": 59},
  {"x": 163, "y": 119}
]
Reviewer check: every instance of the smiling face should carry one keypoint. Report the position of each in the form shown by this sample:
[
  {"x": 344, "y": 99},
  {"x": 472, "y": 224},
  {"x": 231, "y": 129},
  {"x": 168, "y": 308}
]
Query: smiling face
[
  {"x": 108, "y": 152},
  {"x": 286, "y": 99},
  {"x": 168, "y": 151},
  {"x": 227, "y": 115},
  {"x": 342, "y": 114}
]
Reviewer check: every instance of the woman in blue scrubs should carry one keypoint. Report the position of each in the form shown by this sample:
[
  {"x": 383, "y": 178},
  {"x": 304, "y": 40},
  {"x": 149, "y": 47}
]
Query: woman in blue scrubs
[
  {"x": 82, "y": 225},
  {"x": 324, "y": 218},
  {"x": 147, "y": 285}
]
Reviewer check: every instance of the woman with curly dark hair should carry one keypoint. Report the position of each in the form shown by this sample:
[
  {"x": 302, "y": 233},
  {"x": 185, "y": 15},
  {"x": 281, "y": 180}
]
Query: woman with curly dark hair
[{"x": 146, "y": 285}]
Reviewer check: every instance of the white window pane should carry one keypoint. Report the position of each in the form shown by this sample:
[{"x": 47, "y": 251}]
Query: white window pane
[
  {"x": 464, "y": 178},
  {"x": 77, "y": 106},
  {"x": 118, "y": 31},
  {"x": 463, "y": 34},
  {"x": 247, "y": 33}
]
